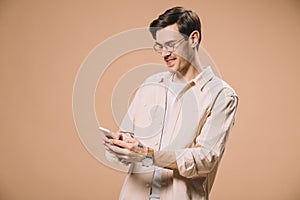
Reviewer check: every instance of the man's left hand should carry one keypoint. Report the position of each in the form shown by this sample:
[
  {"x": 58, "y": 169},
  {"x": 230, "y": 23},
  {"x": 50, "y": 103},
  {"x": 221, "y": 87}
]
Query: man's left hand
[{"x": 128, "y": 150}]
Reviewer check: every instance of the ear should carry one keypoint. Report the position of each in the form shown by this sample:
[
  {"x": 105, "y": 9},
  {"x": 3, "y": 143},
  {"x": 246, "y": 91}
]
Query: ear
[{"x": 194, "y": 37}]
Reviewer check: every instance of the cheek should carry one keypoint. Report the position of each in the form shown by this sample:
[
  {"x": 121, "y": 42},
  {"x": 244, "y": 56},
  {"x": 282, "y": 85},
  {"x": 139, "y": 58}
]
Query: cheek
[
  {"x": 184, "y": 56},
  {"x": 181, "y": 60}
]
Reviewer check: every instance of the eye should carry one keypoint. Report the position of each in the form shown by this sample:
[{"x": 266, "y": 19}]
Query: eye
[
  {"x": 170, "y": 44},
  {"x": 158, "y": 46}
]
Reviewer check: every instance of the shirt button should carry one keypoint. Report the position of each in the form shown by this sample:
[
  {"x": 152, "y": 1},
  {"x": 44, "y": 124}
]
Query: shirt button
[
  {"x": 156, "y": 143},
  {"x": 147, "y": 185},
  {"x": 192, "y": 83}
]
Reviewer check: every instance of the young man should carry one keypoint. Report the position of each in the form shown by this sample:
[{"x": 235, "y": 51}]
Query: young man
[{"x": 175, "y": 130}]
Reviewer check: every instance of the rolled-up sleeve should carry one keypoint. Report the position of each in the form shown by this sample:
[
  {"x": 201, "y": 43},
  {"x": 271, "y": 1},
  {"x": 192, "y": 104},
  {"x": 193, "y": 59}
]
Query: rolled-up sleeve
[{"x": 210, "y": 143}]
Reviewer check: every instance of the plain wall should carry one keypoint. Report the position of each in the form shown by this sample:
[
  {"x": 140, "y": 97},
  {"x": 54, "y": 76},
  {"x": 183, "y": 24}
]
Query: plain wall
[{"x": 255, "y": 45}]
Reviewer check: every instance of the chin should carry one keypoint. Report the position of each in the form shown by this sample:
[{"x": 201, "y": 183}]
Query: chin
[{"x": 172, "y": 70}]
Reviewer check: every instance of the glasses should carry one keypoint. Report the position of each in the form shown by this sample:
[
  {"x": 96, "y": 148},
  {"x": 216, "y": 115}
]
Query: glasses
[{"x": 168, "y": 47}]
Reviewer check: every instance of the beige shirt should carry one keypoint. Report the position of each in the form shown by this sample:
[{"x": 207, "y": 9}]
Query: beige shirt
[
  {"x": 198, "y": 127},
  {"x": 173, "y": 90}
]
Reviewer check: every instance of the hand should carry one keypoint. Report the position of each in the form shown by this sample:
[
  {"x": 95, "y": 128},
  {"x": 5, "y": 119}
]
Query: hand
[{"x": 128, "y": 150}]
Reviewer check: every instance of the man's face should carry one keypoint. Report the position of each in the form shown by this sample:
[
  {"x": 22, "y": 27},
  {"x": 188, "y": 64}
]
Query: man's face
[{"x": 176, "y": 61}]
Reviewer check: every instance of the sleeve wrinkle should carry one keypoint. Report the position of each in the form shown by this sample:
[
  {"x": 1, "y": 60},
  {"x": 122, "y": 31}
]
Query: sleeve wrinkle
[{"x": 212, "y": 138}]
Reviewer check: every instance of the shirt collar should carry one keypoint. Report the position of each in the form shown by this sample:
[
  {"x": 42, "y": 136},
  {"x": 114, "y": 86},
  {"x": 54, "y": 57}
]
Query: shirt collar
[{"x": 202, "y": 78}]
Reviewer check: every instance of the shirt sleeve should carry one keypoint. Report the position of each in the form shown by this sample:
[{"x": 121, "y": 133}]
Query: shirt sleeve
[{"x": 210, "y": 143}]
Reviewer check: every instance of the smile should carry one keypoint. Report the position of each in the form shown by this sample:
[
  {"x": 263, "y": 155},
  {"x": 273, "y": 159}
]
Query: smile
[{"x": 170, "y": 61}]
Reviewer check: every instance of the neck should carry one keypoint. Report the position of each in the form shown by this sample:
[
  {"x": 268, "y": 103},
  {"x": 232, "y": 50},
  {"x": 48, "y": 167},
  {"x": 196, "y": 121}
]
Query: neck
[
  {"x": 189, "y": 75},
  {"x": 191, "y": 71}
]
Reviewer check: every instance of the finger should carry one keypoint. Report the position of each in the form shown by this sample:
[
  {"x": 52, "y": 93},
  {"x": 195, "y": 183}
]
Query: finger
[
  {"x": 131, "y": 158},
  {"x": 107, "y": 145},
  {"x": 123, "y": 157},
  {"x": 124, "y": 161},
  {"x": 123, "y": 144},
  {"x": 125, "y": 154},
  {"x": 129, "y": 140},
  {"x": 131, "y": 155},
  {"x": 119, "y": 150},
  {"x": 107, "y": 148},
  {"x": 117, "y": 135},
  {"x": 113, "y": 148},
  {"x": 105, "y": 139}
]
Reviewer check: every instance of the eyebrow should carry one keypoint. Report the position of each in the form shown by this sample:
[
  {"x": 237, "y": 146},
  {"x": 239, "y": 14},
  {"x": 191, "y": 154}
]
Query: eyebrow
[{"x": 168, "y": 42}]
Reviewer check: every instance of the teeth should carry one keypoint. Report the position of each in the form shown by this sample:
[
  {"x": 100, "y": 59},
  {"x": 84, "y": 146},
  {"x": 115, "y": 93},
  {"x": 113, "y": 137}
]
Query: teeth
[{"x": 170, "y": 59}]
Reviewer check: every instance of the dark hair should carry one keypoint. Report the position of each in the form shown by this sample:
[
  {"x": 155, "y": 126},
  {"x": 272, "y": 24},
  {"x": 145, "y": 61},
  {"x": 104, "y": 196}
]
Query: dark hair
[{"x": 186, "y": 20}]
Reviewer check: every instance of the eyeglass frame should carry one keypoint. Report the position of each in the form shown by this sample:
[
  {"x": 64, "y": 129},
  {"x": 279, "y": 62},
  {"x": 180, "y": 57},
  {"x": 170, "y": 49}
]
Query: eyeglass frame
[{"x": 173, "y": 47}]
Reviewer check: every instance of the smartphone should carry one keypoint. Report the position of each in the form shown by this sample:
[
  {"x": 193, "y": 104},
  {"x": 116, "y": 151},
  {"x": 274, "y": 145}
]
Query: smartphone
[{"x": 107, "y": 133}]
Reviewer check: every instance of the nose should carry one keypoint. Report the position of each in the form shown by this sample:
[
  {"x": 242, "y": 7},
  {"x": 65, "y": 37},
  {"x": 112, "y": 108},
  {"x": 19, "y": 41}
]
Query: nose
[{"x": 165, "y": 53}]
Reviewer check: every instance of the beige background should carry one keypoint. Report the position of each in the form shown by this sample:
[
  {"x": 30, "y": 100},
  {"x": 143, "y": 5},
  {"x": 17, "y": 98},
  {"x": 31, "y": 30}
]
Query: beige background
[{"x": 255, "y": 45}]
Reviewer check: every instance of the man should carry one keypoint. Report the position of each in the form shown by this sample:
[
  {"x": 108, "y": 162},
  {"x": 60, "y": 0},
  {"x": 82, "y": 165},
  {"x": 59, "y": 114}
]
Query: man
[{"x": 175, "y": 130}]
